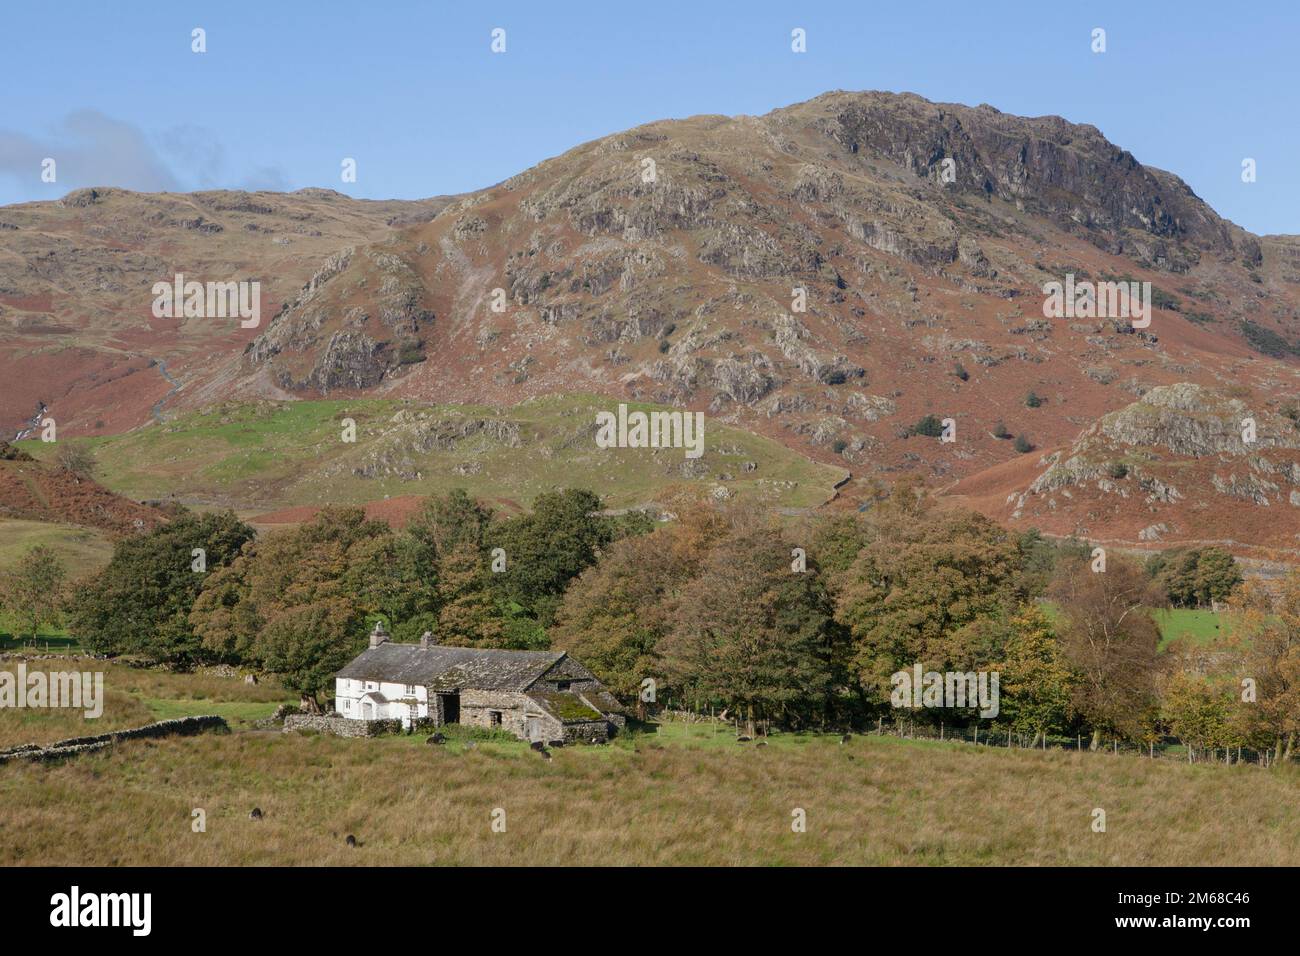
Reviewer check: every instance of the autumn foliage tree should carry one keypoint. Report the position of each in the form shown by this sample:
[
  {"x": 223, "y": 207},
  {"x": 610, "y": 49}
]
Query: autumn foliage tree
[
  {"x": 922, "y": 578},
  {"x": 468, "y": 614},
  {"x": 292, "y": 602},
  {"x": 1198, "y": 699},
  {"x": 616, "y": 614},
  {"x": 1036, "y": 682},
  {"x": 1266, "y": 636},
  {"x": 1109, "y": 638}
]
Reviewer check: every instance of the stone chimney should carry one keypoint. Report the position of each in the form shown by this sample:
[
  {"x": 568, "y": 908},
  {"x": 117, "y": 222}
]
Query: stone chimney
[
  {"x": 427, "y": 639},
  {"x": 378, "y": 635}
]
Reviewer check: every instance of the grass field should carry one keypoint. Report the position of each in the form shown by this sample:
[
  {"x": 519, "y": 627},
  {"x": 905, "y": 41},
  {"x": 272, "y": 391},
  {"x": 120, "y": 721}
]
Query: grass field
[
  {"x": 667, "y": 798},
  {"x": 83, "y": 551},
  {"x": 1202, "y": 626},
  {"x": 277, "y": 454},
  {"x": 138, "y": 696}
]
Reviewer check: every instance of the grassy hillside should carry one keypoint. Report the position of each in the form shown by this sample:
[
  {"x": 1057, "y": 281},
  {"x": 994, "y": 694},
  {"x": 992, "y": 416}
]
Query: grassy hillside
[
  {"x": 670, "y": 798},
  {"x": 277, "y": 454},
  {"x": 82, "y": 550}
]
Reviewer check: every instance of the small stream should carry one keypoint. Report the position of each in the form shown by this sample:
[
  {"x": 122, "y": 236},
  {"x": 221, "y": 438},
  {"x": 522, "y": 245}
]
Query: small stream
[{"x": 175, "y": 386}]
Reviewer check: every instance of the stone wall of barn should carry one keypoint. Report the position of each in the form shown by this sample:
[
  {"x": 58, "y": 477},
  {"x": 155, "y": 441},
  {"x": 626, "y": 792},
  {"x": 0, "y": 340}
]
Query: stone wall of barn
[
  {"x": 477, "y": 706},
  {"x": 586, "y": 732},
  {"x": 570, "y": 672}
]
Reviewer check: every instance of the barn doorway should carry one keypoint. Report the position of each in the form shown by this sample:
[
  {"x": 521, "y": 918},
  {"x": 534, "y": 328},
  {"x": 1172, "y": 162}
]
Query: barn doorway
[{"x": 450, "y": 708}]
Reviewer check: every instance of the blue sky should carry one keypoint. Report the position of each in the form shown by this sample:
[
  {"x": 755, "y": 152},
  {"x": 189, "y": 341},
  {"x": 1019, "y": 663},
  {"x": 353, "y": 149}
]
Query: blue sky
[{"x": 411, "y": 90}]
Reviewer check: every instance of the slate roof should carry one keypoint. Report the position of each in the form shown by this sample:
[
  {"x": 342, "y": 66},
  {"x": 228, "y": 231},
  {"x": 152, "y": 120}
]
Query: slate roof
[{"x": 450, "y": 668}]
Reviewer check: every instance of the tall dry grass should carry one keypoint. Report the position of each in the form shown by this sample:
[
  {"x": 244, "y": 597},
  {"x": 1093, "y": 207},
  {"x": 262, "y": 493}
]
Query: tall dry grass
[
  {"x": 133, "y": 697},
  {"x": 679, "y": 801}
]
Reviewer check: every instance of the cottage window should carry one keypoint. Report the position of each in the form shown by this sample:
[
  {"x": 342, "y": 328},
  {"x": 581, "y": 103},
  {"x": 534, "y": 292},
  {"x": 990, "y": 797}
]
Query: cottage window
[
  {"x": 371, "y": 685},
  {"x": 494, "y": 719},
  {"x": 410, "y": 690}
]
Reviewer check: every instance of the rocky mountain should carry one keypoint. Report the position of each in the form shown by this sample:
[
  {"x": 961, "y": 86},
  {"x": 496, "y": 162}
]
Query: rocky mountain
[
  {"x": 1183, "y": 464},
  {"x": 829, "y": 275},
  {"x": 77, "y": 333}
]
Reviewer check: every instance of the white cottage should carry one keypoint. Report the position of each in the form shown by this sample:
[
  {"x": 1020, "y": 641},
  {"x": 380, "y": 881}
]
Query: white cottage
[{"x": 535, "y": 695}]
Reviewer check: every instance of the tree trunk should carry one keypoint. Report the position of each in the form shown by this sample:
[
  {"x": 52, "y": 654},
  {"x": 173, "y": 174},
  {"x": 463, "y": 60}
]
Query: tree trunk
[{"x": 309, "y": 703}]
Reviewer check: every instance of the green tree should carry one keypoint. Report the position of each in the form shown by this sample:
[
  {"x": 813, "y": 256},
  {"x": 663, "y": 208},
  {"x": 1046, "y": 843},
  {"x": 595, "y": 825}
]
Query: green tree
[
  {"x": 390, "y": 578},
  {"x": 33, "y": 589},
  {"x": 751, "y": 634},
  {"x": 1217, "y": 575},
  {"x": 1195, "y": 577},
  {"x": 930, "y": 426},
  {"x": 140, "y": 603},
  {"x": 549, "y": 547},
  {"x": 306, "y": 644},
  {"x": 445, "y": 522}
]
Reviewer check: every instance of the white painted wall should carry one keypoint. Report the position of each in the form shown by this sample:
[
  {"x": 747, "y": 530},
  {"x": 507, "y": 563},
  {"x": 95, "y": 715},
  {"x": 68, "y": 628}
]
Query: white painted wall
[{"x": 348, "y": 695}]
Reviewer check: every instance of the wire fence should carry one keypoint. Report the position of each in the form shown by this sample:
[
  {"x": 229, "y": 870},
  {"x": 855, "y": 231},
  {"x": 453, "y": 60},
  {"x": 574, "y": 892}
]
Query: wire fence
[{"x": 1164, "y": 748}]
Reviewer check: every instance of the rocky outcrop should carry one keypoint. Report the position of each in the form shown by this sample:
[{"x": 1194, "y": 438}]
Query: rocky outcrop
[
  {"x": 1175, "y": 431},
  {"x": 348, "y": 347},
  {"x": 790, "y": 336},
  {"x": 1046, "y": 165},
  {"x": 1191, "y": 420}
]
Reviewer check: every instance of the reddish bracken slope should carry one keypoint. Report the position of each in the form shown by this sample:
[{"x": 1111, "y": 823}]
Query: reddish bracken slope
[{"x": 826, "y": 275}]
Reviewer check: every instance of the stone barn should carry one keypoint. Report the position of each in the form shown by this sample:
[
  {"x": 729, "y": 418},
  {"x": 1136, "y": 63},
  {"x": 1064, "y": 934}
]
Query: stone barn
[{"x": 535, "y": 695}]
